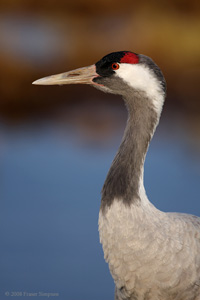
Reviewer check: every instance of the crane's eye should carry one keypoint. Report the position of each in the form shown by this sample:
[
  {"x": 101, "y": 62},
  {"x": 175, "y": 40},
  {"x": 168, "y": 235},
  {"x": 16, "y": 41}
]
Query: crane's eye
[{"x": 115, "y": 66}]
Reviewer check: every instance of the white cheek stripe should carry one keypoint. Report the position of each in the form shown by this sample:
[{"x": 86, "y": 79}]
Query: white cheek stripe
[{"x": 141, "y": 78}]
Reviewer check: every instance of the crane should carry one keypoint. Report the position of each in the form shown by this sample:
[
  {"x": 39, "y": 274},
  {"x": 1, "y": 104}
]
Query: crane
[{"x": 152, "y": 255}]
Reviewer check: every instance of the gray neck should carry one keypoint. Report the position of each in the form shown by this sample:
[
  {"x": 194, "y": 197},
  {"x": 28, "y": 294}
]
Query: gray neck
[{"x": 124, "y": 176}]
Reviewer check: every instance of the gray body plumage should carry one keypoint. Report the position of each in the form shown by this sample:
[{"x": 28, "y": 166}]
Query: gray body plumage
[{"x": 151, "y": 255}]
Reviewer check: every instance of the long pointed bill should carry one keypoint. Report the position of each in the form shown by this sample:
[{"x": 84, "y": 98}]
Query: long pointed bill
[{"x": 82, "y": 75}]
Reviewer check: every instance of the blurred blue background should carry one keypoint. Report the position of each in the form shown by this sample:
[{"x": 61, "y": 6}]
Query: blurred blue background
[{"x": 57, "y": 143}]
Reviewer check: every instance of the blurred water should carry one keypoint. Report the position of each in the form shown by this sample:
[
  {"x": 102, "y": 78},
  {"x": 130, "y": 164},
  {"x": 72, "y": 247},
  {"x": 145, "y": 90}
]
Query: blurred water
[{"x": 50, "y": 197}]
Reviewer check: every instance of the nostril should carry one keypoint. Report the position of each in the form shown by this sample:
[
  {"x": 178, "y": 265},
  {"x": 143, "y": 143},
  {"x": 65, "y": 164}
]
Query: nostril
[{"x": 74, "y": 74}]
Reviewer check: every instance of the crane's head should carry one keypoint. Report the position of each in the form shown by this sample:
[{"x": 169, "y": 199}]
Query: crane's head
[{"x": 117, "y": 73}]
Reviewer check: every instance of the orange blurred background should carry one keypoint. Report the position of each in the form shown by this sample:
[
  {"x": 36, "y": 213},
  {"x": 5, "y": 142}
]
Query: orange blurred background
[{"x": 39, "y": 38}]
